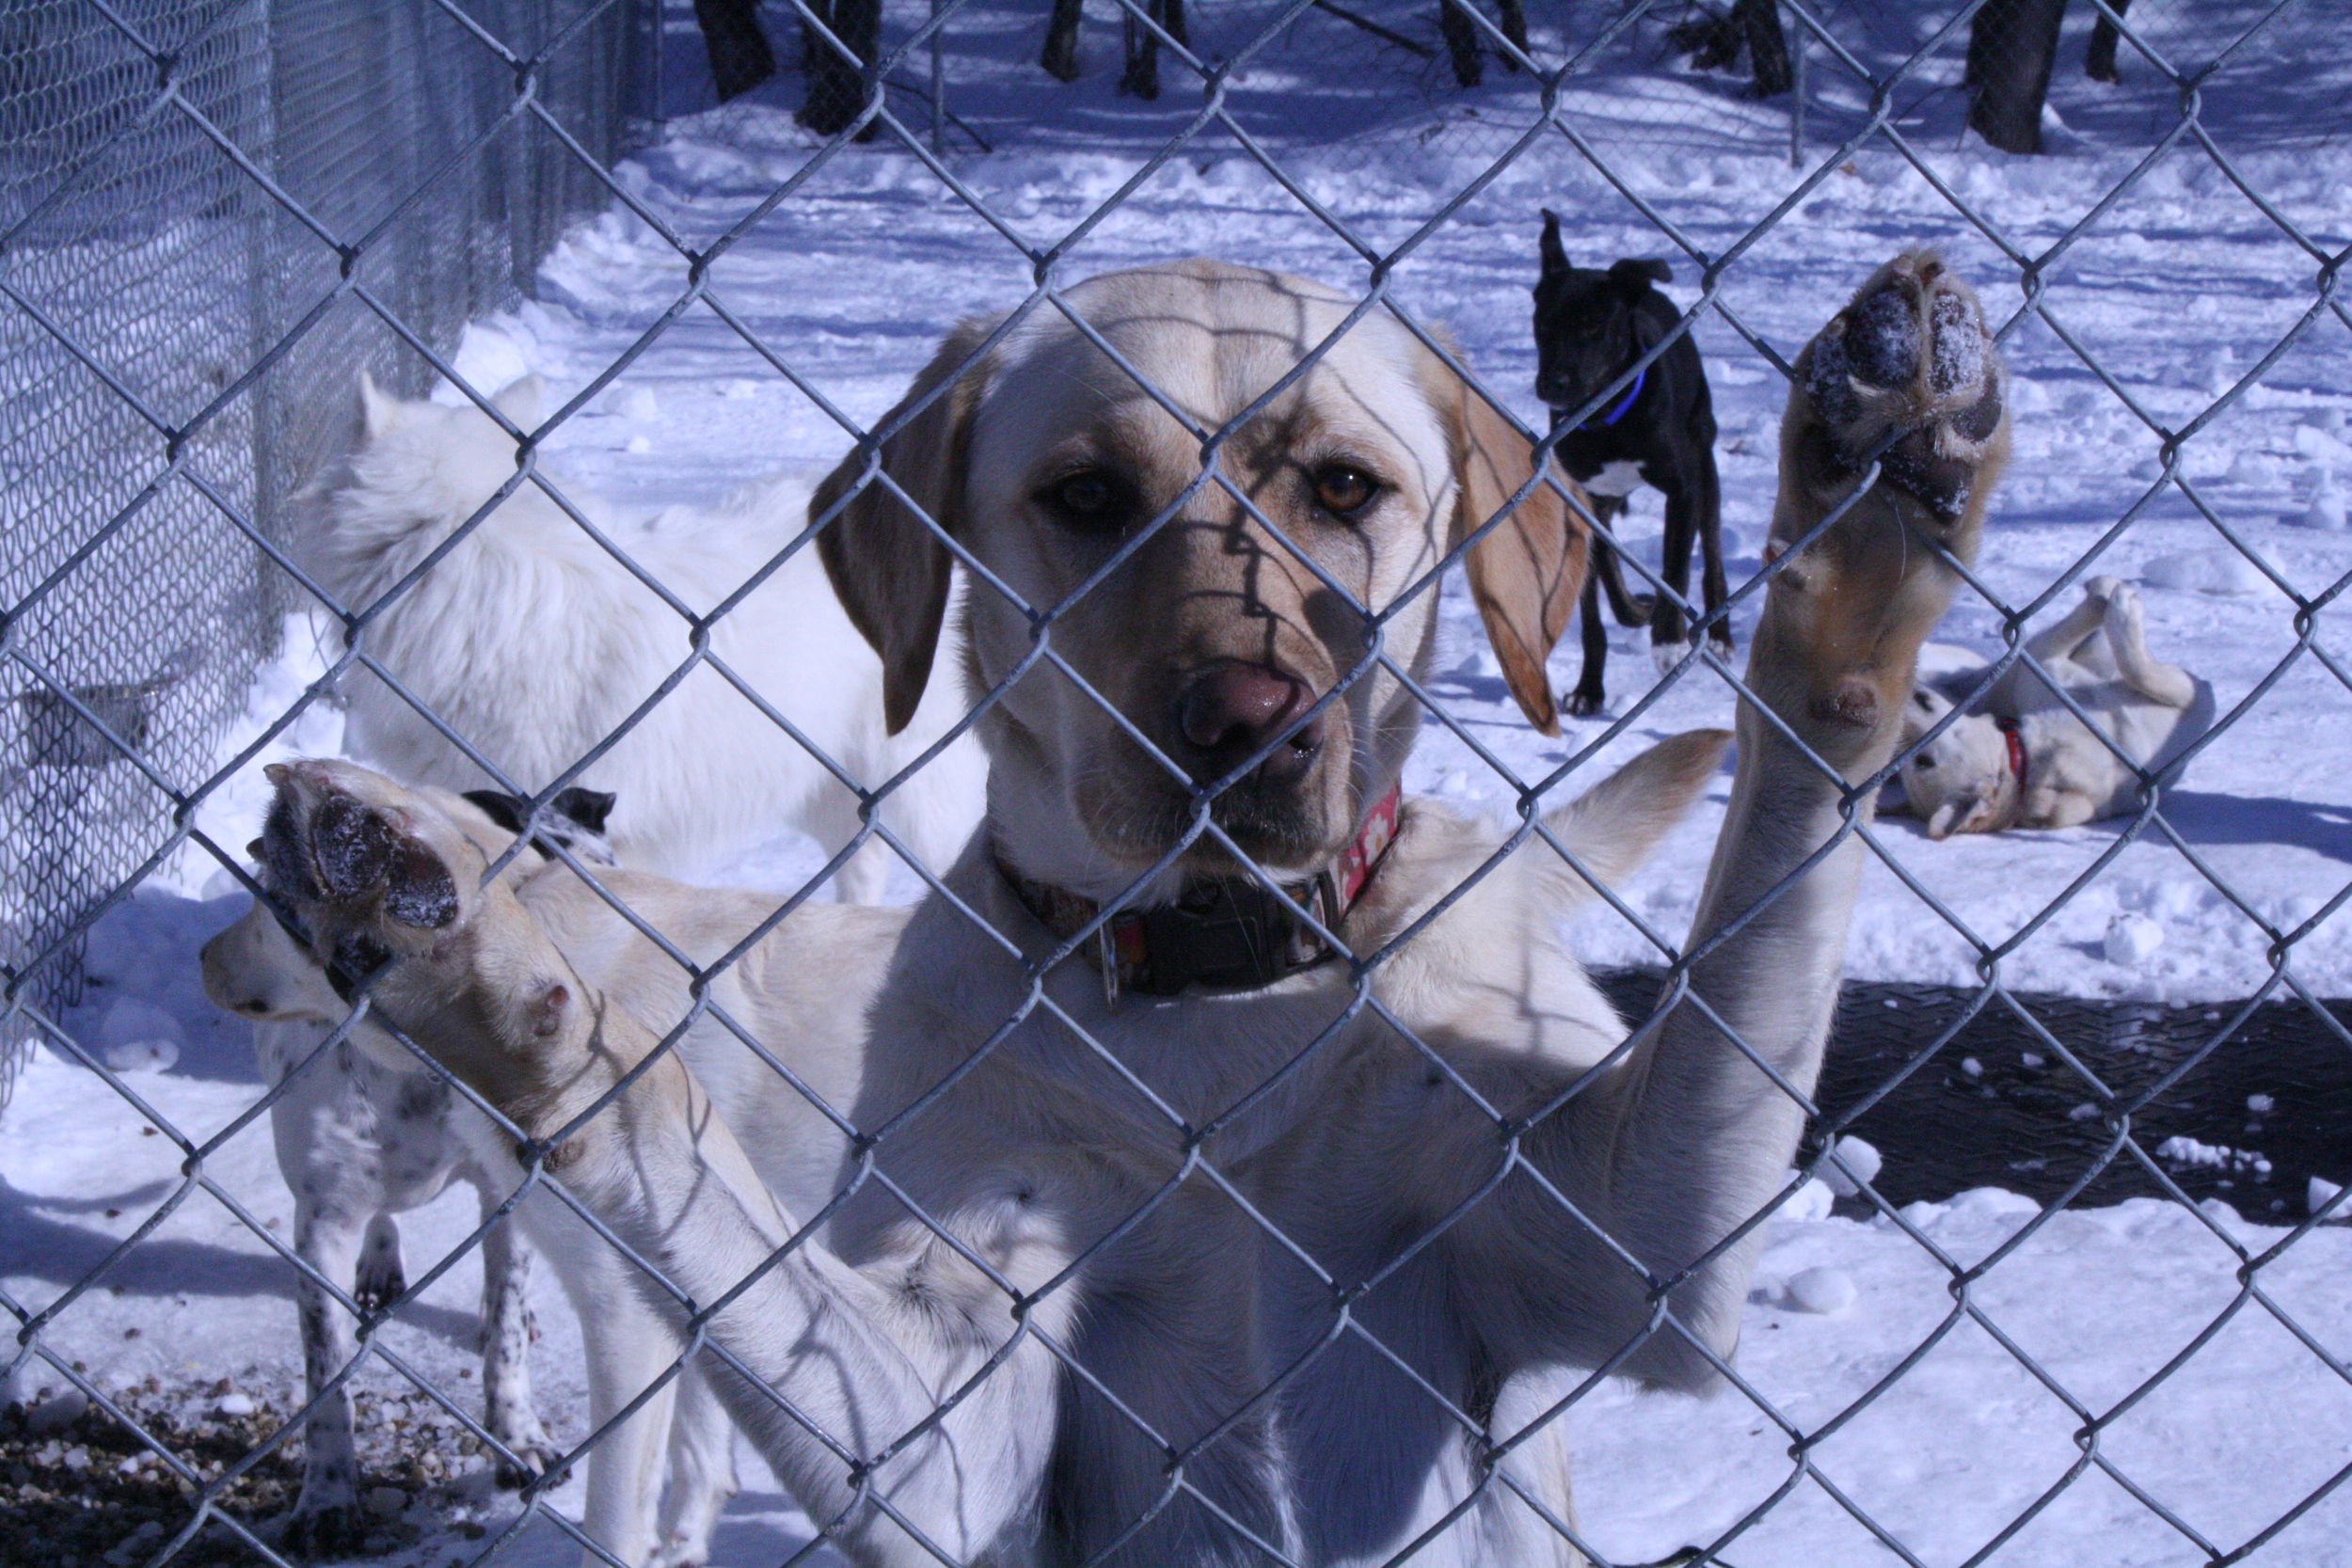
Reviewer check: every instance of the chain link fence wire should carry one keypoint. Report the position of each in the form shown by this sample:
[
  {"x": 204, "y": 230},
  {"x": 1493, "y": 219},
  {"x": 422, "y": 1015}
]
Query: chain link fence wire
[{"x": 216, "y": 217}]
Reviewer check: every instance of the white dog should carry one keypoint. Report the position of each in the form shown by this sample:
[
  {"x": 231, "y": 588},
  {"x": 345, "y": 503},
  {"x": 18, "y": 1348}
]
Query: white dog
[
  {"x": 533, "y": 644},
  {"x": 361, "y": 1135},
  {"x": 1232, "y": 1168},
  {"x": 2021, "y": 758}
]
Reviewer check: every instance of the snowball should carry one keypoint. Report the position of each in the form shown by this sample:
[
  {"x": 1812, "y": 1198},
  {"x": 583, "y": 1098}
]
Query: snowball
[
  {"x": 2216, "y": 570},
  {"x": 236, "y": 1404},
  {"x": 149, "y": 1056},
  {"x": 2324, "y": 513},
  {"x": 2320, "y": 1192},
  {"x": 2319, "y": 446},
  {"x": 639, "y": 445},
  {"x": 2252, "y": 467},
  {"x": 2131, "y": 938},
  {"x": 1810, "y": 1202},
  {"x": 2261, "y": 1105},
  {"x": 1821, "y": 1290},
  {"x": 135, "y": 1034},
  {"x": 638, "y": 403},
  {"x": 2033, "y": 1060},
  {"x": 740, "y": 388},
  {"x": 1861, "y": 1158},
  {"x": 1972, "y": 1067},
  {"x": 2085, "y": 1112}
]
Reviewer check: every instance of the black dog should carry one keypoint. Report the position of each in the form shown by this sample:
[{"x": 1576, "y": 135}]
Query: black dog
[{"x": 1590, "y": 327}]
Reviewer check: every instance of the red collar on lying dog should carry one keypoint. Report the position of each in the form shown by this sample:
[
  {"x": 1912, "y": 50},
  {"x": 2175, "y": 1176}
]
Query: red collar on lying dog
[
  {"x": 2016, "y": 752},
  {"x": 1230, "y": 934}
]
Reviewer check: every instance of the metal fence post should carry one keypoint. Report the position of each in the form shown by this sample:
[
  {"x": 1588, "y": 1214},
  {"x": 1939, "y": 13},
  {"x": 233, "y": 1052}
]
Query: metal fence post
[
  {"x": 939, "y": 84},
  {"x": 1796, "y": 88}
]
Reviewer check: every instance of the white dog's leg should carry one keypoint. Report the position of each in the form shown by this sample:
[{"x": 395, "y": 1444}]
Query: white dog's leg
[
  {"x": 325, "y": 1517},
  {"x": 2127, "y": 640},
  {"x": 380, "y": 1277},
  {"x": 507, "y": 1330},
  {"x": 2063, "y": 638},
  {"x": 629, "y": 1346},
  {"x": 702, "y": 1473},
  {"x": 864, "y": 877}
]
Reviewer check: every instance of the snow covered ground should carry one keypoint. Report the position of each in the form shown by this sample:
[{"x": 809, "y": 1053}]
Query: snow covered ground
[{"x": 2176, "y": 290}]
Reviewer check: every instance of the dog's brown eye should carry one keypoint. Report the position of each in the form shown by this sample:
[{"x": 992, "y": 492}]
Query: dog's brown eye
[
  {"x": 1087, "y": 497},
  {"x": 1342, "y": 490}
]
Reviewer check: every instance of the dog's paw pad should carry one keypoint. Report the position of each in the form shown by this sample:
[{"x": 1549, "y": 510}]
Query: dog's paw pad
[
  {"x": 420, "y": 891},
  {"x": 375, "y": 1292},
  {"x": 350, "y": 845},
  {"x": 1960, "y": 343},
  {"x": 1882, "y": 336}
]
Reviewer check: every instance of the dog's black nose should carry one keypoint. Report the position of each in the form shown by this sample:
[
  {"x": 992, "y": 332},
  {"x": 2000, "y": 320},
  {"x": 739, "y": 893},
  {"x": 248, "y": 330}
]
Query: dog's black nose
[{"x": 1231, "y": 709}]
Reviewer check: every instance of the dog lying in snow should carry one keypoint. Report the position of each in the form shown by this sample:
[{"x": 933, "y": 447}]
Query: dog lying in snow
[
  {"x": 2020, "y": 758},
  {"x": 1229, "y": 1251},
  {"x": 363, "y": 1136},
  {"x": 533, "y": 644}
]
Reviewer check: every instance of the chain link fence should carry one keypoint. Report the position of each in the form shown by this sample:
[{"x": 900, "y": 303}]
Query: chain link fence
[{"x": 217, "y": 216}]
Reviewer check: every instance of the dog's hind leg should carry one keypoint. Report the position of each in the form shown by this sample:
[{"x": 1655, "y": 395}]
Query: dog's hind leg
[
  {"x": 1589, "y": 696},
  {"x": 1631, "y": 609},
  {"x": 1713, "y": 590},
  {"x": 1669, "y": 630},
  {"x": 702, "y": 1474}
]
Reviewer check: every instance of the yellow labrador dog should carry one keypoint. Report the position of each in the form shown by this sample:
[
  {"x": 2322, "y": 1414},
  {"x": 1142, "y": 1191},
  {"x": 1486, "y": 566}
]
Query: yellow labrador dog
[{"x": 1210, "y": 1183}]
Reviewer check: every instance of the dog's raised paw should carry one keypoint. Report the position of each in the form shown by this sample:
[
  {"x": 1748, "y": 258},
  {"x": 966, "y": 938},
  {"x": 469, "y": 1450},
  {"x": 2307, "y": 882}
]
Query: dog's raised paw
[
  {"x": 367, "y": 872},
  {"x": 1908, "y": 374}
]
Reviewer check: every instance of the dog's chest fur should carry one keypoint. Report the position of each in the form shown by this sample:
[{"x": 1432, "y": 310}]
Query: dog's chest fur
[{"x": 1203, "y": 1139}]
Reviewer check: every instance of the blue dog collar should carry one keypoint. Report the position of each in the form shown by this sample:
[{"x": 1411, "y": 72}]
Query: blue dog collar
[{"x": 1625, "y": 404}]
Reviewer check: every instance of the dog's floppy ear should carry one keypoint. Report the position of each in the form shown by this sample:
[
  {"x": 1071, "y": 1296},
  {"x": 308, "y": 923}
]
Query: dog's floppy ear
[
  {"x": 500, "y": 807},
  {"x": 1635, "y": 274},
  {"x": 1526, "y": 573},
  {"x": 587, "y": 807},
  {"x": 889, "y": 569}
]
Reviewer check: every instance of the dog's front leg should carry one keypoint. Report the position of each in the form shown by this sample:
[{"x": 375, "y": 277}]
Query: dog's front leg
[
  {"x": 906, "y": 1406},
  {"x": 1706, "y": 1115},
  {"x": 1687, "y": 1141},
  {"x": 507, "y": 1330}
]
